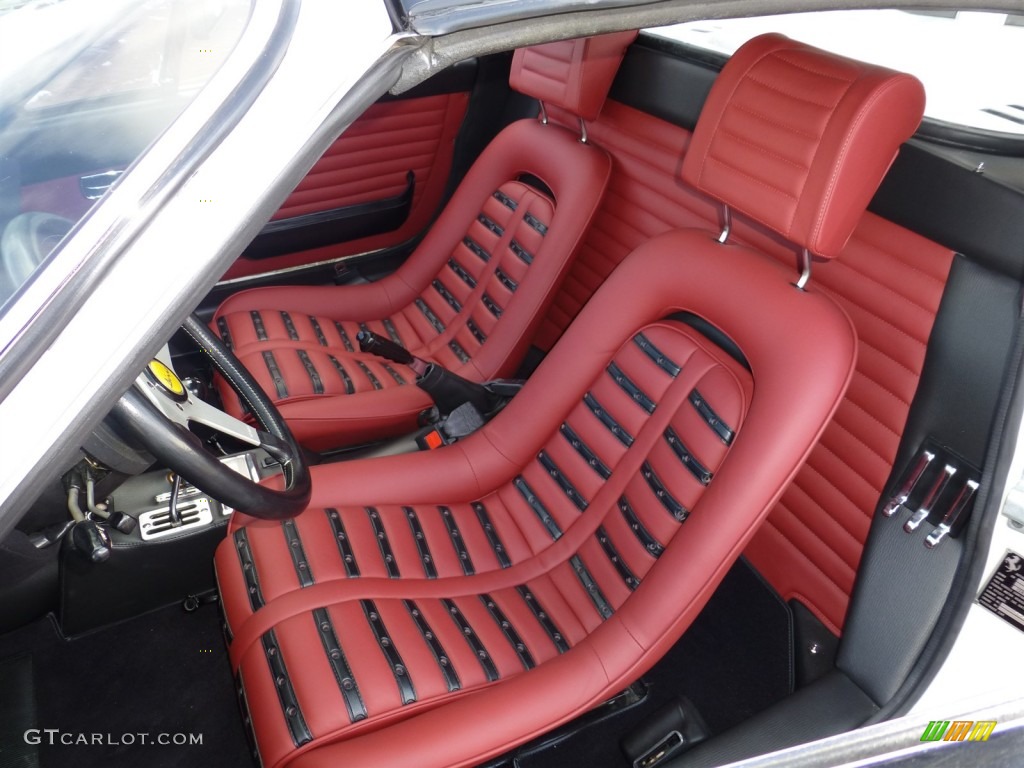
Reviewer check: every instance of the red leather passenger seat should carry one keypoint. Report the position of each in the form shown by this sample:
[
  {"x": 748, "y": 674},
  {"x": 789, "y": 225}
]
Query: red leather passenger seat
[
  {"x": 438, "y": 608},
  {"x": 469, "y": 297}
]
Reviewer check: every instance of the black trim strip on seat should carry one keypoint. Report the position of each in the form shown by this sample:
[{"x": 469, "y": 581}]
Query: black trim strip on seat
[
  {"x": 348, "y": 556},
  {"x": 374, "y": 381},
  {"x": 428, "y": 313},
  {"x": 461, "y": 272},
  {"x": 349, "y": 386},
  {"x": 346, "y": 342},
  {"x": 429, "y": 569},
  {"x": 543, "y": 618},
  {"x": 490, "y": 224},
  {"x": 524, "y": 255},
  {"x": 458, "y": 351},
  {"x": 630, "y": 388},
  {"x": 257, "y": 323},
  {"x": 444, "y": 662},
  {"x": 446, "y": 295},
  {"x": 536, "y": 223},
  {"x": 386, "y": 553},
  {"x": 475, "y": 644},
  {"x": 525, "y": 657},
  {"x": 564, "y": 483},
  {"x": 585, "y": 451},
  {"x": 252, "y": 579},
  {"x": 712, "y": 419},
  {"x": 478, "y": 250},
  {"x": 505, "y": 200},
  {"x": 318, "y": 331},
  {"x": 339, "y": 665},
  {"x": 660, "y": 359},
  {"x": 391, "y": 330},
  {"x": 685, "y": 455},
  {"x": 491, "y": 305},
  {"x": 243, "y": 703},
  {"x": 457, "y": 541},
  {"x": 594, "y": 591},
  {"x": 289, "y": 326},
  {"x": 387, "y": 647},
  {"x": 613, "y": 554},
  {"x": 474, "y": 329},
  {"x": 492, "y": 534},
  {"x": 285, "y": 692},
  {"x": 291, "y": 537},
  {"x": 275, "y": 374},
  {"x": 644, "y": 536},
  {"x": 399, "y": 379},
  {"x": 225, "y": 333},
  {"x": 505, "y": 280},
  {"x": 606, "y": 418},
  {"x": 538, "y": 508},
  {"x": 677, "y": 510},
  {"x": 311, "y": 371}
]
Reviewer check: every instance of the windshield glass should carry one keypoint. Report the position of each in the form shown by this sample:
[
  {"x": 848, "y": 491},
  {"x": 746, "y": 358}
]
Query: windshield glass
[{"x": 85, "y": 87}]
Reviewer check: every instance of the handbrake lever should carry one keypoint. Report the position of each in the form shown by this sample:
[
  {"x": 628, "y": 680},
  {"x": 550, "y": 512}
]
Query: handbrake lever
[{"x": 375, "y": 345}]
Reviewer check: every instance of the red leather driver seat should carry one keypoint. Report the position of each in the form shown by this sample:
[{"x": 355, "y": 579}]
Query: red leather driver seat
[
  {"x": 439, "y": 608},
  {"x": 469, "y": 297}
]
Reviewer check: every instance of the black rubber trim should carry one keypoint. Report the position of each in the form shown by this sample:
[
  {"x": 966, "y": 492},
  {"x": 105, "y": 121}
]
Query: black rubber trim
[
  {"x": 475, "y": 644},
  {"x": 399, "y": 379},
  {"x": 391, "y": 330},
  {"x": 337, "y": 225},
  {"x": 505, "y": 200},
  {"x": 712, "y": 419},
  {"x": 491, "y": 305},
  {"x": 458, "y": 351},
  {"x": 318, "y": 331},
  {"x": 543, "y": 618},
  {"x": 428, "y": 313},
  {"x": 476, "y": 248},
  {"x": 644, "y": 536},
  {"x": 590, "y": 585},
  {"x": 524, "y": 255},
  {"x": 294, "y": 541},
  {"x": 536, "y": 224},
  {"x": 444, "y": 662},
  {"x": 243, "y": 705},
  {"x": 677, "y": 510},
  {"x": 525, "y": 657},
  {"x": 474, "y": 329},
  {"x": 713, "y": 334},
  {"x": 339, "y": 665},
  {"x": 490, "y": 224},
  {"x": 257, "y": 324},
  {"x": 636, "y": 394},
  {"x": 379, "y": 532},
  {"x": 374, "y": 381},
  {"x": 225, "y": 334},
  {"x": 613, "y": 554},
  {"x": 289, "y": 326},
  {"x": 346, "y": 342},
  {"x": 685, "y": 455},
  {"x": 429, "y": 569},
  {"x": 462, "y": 273},
  {"x": 296, "y": 723},
  {"x": 538, "y": 508},
  {"x": 387, "y": 647},
  {"x": 588, "y": 455},
  {"x": 660, "y": 359},
  {"x": 348, "y": 556},
  {"x": 245, "y": 559},
  {"x": 606, "y": 418},
  {"x": 275, "y": 373},
  {"x": 311, "y": 371},
  {"x": 492, "y": 534},
  {"x": 505, "y": 280},
  {"x": 458, "y": 543},
  {"x": 564, "y": 483},
  {"x": 349, "y": 386},
  {"x": 446, "y": 295}
]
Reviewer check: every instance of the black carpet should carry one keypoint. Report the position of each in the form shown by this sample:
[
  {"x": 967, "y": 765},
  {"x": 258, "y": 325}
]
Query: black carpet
[{"x": 114, "y": 693}]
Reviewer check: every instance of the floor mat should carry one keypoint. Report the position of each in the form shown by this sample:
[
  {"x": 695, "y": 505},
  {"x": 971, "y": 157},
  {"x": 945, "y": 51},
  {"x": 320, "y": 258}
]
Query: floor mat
[{"x": 155, "y": 691}]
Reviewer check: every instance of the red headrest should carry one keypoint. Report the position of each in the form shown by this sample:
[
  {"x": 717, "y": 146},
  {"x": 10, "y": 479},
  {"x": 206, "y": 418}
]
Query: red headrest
[
  {"x": 571, "y": 74},
  {"x": 799, "y": 139}
]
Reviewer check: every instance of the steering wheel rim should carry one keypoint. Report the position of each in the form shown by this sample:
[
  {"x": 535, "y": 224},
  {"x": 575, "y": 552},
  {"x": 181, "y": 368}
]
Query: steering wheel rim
[{"x": 181, "y": 450}]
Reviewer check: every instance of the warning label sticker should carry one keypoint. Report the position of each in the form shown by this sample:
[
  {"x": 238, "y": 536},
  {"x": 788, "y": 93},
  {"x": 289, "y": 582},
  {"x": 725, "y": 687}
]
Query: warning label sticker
[{"x": 1004, "y": 593}]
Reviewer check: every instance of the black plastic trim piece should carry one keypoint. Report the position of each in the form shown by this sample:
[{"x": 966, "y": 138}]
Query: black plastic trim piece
[
  {"x": 457, "y": 541},
  {"x": 594, "y": 591},
  {"x": 381, "y": 534},
  {"x": 294, "y": 541},
  {"x": 387, "y": 647},
  {"x": 524, "y": 255},
  {"x": 543, "y": 618},
  {"x": 428, "y": 313},
  {"x": 505, "y": 200},
  {"x": 491, "y": 305},
  {"x": 685, "y": 455},
  {"x": 374, "y": 381},
  {"x": 712, "y": 419},
  {"x": 337, "y": 225},
  {"x": 651, "y": 544},
  {"x": 525, "y": 657},
  {"x": 225, "y": 334},
  {"x": 677, "y": 510},
  {"x": 343, "y": 335},
  {"x": 585, "y": 451},
  {"x": 461, "y": 271},
  {"x": 339, "y": 665},
  {"x": 563, "y": 482},
  {"x": 257, "y": 324},
  {"x": 474, "y": 329},
  {"x": 429, "y": 569},
  {"x": 458, "y": 351},
  {"x": 613, "y": 554},
  {"x": 275, "y": 374},
  {"x": 245, "y": 559},
  {"x": 606, "y": 418},
  {"x": 505, "y": 280},
  {"x": 660, "y": 359},
  {"x": 536, "y": 224},
  {"x": 630, "y": 388},
  {"x": 348, "y": 556},
  {"x": 349, "y": 386},
  {"x": 713, "y": 334},
  {"x": 444, "y": 662},
  {"x": 478, "y": 648},
  {"x": 391, "y": 330},
  {"x": 285, "y": 692},
  {"x": 446, "y": 295},
  {"x": 476, "y": 248},
  {"x": 289, "y": 326},
  {"x": 538, "y": 508},
  {"x": 318, "y": 331},
  {"x": 311, "y": 371},
  {"x": 492, "y": 534},
  {"x": 491, "y": 224},
  {"x": 399, "y": 379}
]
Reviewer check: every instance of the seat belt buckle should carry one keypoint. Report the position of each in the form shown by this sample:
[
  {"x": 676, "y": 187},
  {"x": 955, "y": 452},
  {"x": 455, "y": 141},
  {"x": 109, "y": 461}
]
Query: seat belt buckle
[{"x": 431, "y": 440}]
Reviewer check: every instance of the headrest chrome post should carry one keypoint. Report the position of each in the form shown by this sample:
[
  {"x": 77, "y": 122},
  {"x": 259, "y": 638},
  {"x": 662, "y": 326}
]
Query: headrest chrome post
[
  {"x": 543, "y": 113},
  {"x": 583, "y": 131},
  {"x": 726, "y": 224},
  {"x": 803, "y": 261}
]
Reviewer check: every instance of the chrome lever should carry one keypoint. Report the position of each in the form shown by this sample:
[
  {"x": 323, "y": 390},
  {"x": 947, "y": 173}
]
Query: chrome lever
[
  {"x": 902, "y": 496},
  {"x": 933, "y": 496},
  {"x": 949, "y": 519}
]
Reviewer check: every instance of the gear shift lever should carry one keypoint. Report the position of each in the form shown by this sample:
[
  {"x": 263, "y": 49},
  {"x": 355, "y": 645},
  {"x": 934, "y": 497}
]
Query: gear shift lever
[{"x": 173, "y": 515}]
